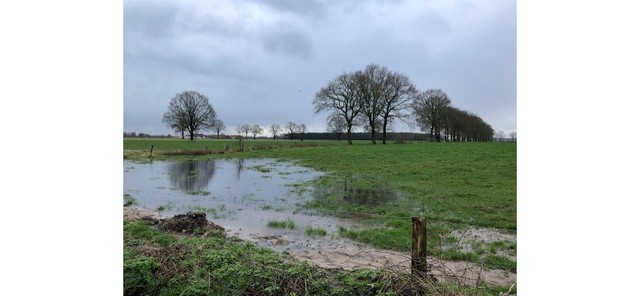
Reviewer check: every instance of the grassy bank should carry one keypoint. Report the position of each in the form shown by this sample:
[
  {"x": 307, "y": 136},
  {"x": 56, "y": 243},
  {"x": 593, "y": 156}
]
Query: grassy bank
[
  {"x": 455, "y": 185},
  {"x": 157, "y": 262}
]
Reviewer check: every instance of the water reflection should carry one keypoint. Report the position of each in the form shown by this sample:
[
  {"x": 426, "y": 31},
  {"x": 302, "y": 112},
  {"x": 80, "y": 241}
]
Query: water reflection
[
  {"x": 359, "y": 190},
  {"x": 191, "y": 176},
  {"x": 239, "y": 167}
]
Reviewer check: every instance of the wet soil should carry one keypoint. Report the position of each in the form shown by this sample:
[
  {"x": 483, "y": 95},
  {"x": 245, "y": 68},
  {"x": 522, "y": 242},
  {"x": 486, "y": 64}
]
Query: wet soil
[{"x": 331, "y": 252}]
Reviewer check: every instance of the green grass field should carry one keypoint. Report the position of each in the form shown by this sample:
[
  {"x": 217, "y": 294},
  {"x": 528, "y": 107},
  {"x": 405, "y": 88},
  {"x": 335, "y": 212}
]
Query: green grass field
[{"x": 454, "y": 185}]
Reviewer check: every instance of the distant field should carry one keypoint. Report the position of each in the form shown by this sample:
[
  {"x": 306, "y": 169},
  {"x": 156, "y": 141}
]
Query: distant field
[
  {"x": 454, "y": 183},
  {"x": 167, "y": 145}
]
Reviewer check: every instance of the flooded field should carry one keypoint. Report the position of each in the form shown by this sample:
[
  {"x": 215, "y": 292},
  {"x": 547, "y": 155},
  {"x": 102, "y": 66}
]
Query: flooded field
[
  {"x": 241, "y": 195},
  {"x": 262, "y": 201}
]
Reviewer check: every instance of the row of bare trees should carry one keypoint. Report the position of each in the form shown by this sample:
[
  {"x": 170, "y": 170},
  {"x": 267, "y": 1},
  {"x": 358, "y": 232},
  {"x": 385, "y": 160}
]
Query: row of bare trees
[
  {"x": 293, "y": 128},
  {"x": 433, "y": 112},
  {"x": 372, "y": 98},
  {"x": 375, "y": 97},
  {"x": 254, "y": 129},
  {"x": 290, "y": 127}
]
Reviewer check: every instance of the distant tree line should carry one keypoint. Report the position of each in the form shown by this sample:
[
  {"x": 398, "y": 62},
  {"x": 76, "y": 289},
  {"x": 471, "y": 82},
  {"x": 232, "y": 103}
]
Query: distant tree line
[
  {"x": 375, "y": 97},
  {"x": 358, "y": 136},
  {"x": 143, "y": 135}
]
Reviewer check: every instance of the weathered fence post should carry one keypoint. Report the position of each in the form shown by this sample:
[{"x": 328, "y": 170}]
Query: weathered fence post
[
  {"x": 151, "y": 153},
  {"x": 419, "y": 246}
]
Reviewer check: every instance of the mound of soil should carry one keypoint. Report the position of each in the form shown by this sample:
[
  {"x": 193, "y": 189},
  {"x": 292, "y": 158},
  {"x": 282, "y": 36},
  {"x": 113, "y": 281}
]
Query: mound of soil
[{"x": 192, "y": 223}]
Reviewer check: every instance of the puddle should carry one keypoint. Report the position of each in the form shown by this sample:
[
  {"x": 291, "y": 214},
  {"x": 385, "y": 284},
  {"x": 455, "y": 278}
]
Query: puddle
[{"x": 240, "y": 195}]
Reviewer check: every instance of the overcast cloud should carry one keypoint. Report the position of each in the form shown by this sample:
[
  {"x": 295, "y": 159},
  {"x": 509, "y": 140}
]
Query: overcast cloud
[{"x": 261, "y": 61}]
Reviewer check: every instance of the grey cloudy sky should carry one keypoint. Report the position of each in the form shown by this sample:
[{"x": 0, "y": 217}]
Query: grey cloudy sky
[{"x": 261, "y": 61}]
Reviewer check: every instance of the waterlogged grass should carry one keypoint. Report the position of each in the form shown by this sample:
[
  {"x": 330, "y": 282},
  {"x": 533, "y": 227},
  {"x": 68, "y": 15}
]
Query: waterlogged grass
[
  {"x": 129, "y": 200},
  {"x": 282, "y": 224},
  {"x": 271, "y": 208},
  {"x": 159, "y": 263},
  {"x": 201, "y": 192},
  {"x": 502, "y": 245},
  {"x": 315, "y": 231},
  {"x": 260, "y": 168},
  {"x": 220, "y": 212},
  {"x": 166, "y": 207},
  {"x": 500, "y": 262}
]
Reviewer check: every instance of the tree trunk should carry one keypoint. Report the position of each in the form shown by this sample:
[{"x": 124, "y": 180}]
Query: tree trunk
[
  {"x": 431, "y": 134},
  {"x": 384, "y": 132}
]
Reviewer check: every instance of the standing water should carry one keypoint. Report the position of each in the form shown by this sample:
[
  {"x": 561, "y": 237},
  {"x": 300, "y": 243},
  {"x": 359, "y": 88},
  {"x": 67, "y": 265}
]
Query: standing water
[{"x": 243, "y": 196}]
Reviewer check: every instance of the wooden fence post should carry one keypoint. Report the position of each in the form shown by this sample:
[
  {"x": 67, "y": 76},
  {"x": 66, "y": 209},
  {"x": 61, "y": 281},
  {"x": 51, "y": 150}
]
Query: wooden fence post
[
  {"x": 419, "y": 246},
  {"x": 151, "y": 153}
]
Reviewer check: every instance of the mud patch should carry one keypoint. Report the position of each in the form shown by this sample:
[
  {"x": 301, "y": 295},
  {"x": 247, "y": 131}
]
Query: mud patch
[
  {"x": 190, "y": 223},
  {"x": 134, "y": 213},
  {"x": 335, "y": 253},
  {"x": 332, "y": 253}
]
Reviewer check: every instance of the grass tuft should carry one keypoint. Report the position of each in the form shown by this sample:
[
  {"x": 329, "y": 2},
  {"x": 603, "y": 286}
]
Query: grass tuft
[
  {"x": 315, "y": 231},
  {"x": 282, "y": 224}
]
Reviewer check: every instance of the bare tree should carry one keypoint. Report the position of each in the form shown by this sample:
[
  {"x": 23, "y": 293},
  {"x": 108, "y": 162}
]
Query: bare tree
[
  {"x": 499, "y": 135},
  {"x": 370, "y": 85},
  {"x": 256, "y": 130},
  {"x": 275, "y": 129},
  {"x": 291, "y": 128},
  {"x": 513, "y": 135},
  {"x": 174, "y": 122},
  {"x": 341, "y": 97},
  {"x": 428, "y": 108},
  {"x": 218, "y": 126},
  {"x": 301, "y": 129},
  {"x": 243, "y": 129},
  {"x": 397, "y": 93},
  {"x": 189, "y": 111},
  {"x": 336, "y": 125}
]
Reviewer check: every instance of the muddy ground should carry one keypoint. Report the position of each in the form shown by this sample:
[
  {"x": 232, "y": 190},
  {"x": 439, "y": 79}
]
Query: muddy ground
[{"x": 346, "y": 254}]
